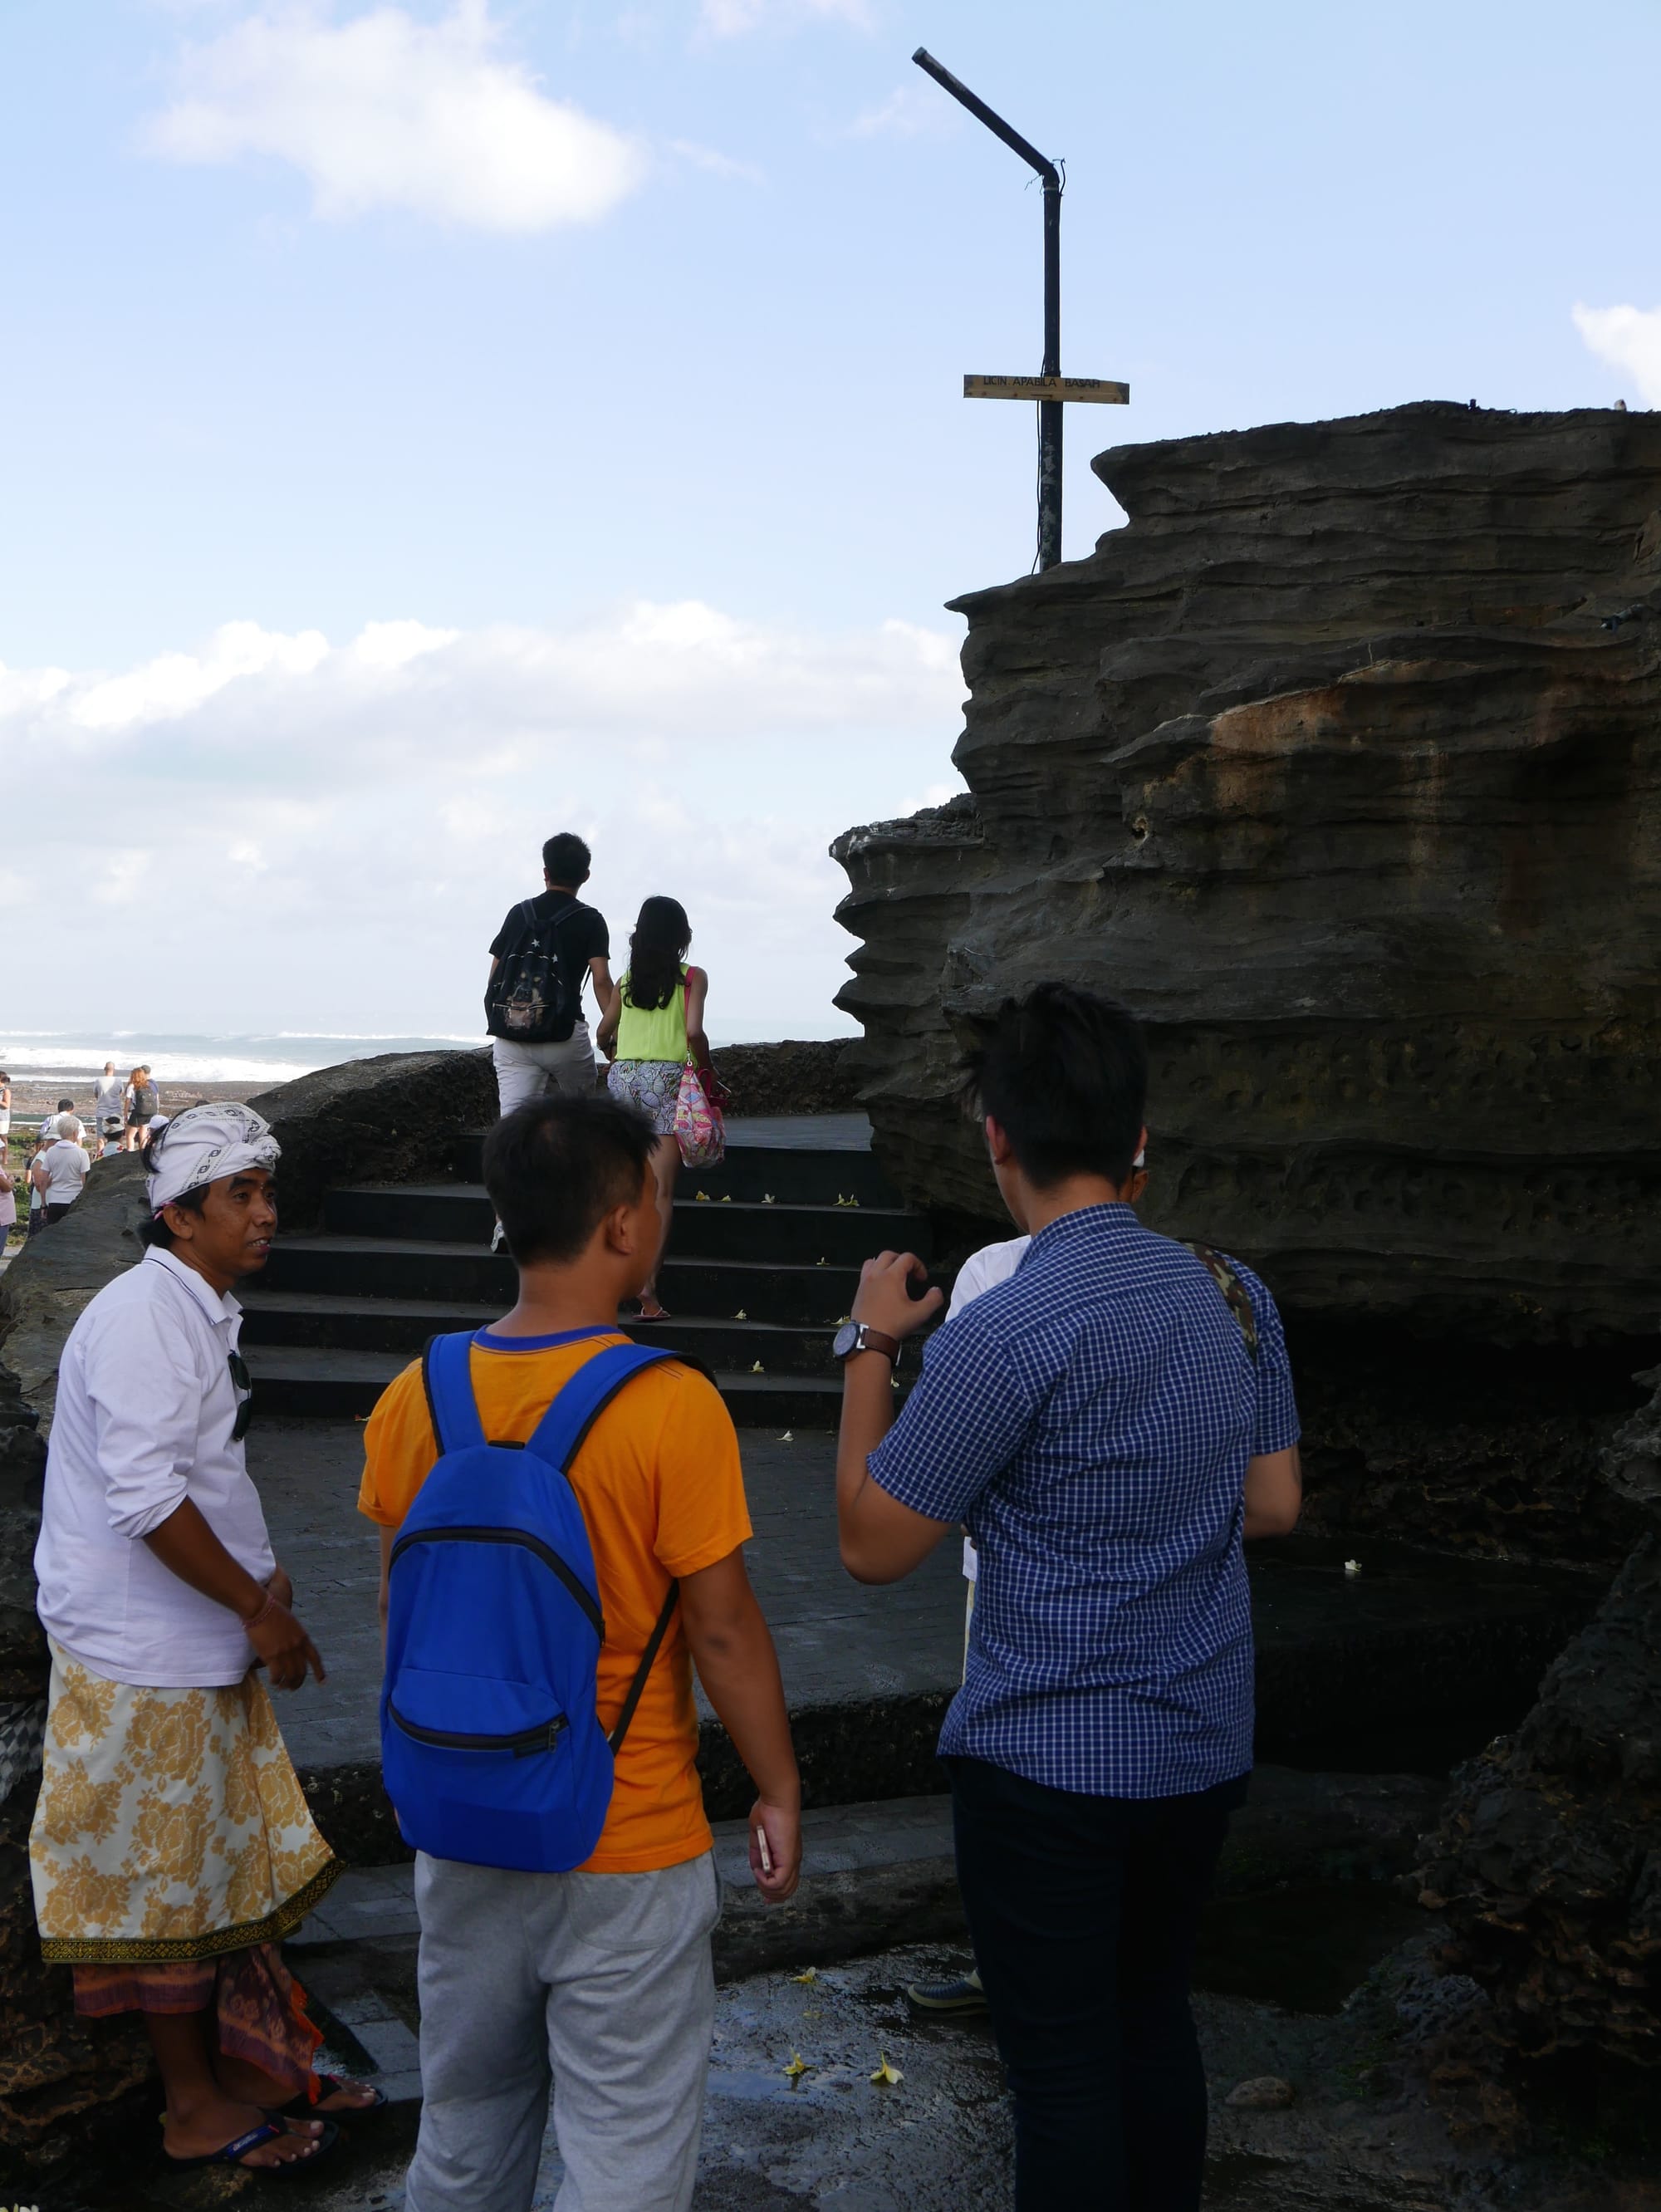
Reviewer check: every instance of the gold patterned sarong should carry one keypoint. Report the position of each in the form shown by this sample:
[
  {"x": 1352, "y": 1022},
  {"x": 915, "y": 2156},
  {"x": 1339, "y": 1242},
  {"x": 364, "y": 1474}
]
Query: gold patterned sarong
[{"x": 170, "y": 1825}]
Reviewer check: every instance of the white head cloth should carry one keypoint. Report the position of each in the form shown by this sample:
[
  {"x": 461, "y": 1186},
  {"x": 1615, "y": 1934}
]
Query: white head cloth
[{"x": 205, "y": 1143}]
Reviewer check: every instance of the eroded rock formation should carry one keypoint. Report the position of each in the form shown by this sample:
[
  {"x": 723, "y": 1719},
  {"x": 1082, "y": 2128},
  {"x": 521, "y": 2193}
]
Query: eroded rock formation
[
  {"x": 1547, "y": 1862},
  {"x": 1341, "y": 764},
  {"x": 1331, "y": 764}
]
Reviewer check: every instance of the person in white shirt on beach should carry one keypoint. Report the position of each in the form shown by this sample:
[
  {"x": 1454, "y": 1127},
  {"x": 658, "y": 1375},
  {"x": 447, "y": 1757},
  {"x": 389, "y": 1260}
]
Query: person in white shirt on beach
[
  {"x": 109, "y": 1110},
  {"x": 60, "y": 1173},
  {"x": 172, "y": 1848}
]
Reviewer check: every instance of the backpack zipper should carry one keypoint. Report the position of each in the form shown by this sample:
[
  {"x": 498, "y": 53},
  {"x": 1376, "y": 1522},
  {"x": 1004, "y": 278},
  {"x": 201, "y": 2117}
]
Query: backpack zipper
[
  {"x": 524, "y": 1743},
  {"x": 545, "y": 1553}
]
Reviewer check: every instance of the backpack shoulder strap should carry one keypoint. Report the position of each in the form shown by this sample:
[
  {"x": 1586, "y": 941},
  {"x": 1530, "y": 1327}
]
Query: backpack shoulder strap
[
  {"x": 1235, "y": 1295},
  {"x": 560, "y": 1435},
  {"x": 446, "y": 1371}
]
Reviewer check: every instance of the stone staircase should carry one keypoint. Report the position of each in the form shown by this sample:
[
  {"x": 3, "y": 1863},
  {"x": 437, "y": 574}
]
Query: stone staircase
[{"x": 762, "y": 1263}]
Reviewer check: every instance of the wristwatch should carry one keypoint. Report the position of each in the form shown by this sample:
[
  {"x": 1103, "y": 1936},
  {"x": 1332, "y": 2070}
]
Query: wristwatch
[{"x": 858, "y": 1336}]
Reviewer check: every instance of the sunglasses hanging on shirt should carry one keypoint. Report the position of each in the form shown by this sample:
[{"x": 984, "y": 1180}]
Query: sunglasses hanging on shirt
[{"x": 244, "y": 1383}]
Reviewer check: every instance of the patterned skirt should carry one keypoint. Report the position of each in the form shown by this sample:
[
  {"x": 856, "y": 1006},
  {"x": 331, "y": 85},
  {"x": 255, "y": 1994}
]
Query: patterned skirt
[
  {"x": 171, "y": 1826},
  {"x": 651, "y": 1085}
]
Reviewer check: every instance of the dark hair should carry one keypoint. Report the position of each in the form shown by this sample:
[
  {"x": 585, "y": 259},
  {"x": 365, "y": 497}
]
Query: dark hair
[
  {"x": 65, "y": 1106},
  {"x": 656, "y": 950},
  {"x": 555, "y": 1169},
  {"x": 154, "y": 1230},
  {"x": 567, "y": 860},
  {"x": 1064, "y": 1075}
]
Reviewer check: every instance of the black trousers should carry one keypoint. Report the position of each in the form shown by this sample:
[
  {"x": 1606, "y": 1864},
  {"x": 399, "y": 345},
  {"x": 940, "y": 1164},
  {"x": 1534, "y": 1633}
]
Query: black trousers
[{"x": 1084, "y": 1913}]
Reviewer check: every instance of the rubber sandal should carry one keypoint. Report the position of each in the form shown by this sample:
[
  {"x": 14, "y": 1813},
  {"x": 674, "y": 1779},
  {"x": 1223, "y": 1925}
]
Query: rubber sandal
[
  {"x": 234, "y": 2154},
  {"x": 302, "y": 2108},
  {"x": 652, "y": 1319}
]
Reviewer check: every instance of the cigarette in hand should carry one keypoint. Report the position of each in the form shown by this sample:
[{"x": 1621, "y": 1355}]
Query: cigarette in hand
[{"x": 761, "y": 1846}]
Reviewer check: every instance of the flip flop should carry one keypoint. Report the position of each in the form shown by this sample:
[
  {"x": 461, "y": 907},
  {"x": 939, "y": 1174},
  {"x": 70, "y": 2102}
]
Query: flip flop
[
  {"x": 302, "y": 2108},
  {"x": 652, "y": 1320},
  {"x": 233, "y": 2153}
]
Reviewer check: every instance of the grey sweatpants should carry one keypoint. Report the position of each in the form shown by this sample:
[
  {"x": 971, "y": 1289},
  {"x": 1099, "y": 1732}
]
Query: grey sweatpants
[{"x": 603, "y": 1981}]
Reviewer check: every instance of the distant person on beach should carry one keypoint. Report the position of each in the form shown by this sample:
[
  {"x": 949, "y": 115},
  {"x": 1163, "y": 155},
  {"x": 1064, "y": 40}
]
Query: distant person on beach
[
  {"x": 655, "y": 1025},
  {"x": 60, "y": 1172},
  {"x": 1110, "y": 1429},
  {"x": 37, "y": 1204},
  {"x": 546, "y": 950},
  {"x": 564, "y": 1952},
  {"x": 109, "y": 1110},
  {"x": 141, "y": 1099},
  {"x": 171, "y": 1849}
]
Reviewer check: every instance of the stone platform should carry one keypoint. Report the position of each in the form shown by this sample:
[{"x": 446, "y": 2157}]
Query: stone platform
[{"x": 1416, "y": 1662}]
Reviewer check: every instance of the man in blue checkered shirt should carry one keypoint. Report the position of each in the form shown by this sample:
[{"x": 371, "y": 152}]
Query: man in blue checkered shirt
[{"x": 1109, "y": 1429}]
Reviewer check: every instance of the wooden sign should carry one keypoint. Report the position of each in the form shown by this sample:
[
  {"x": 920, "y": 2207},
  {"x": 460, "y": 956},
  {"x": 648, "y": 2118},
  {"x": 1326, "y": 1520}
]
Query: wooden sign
[{"x": 1096, "y": 388}]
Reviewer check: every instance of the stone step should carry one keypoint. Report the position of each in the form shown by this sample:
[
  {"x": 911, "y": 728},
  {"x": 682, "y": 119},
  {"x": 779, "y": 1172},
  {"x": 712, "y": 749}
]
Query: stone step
[
  {"x": 402, "y": 1326},
  {"x": 875, "y": 1873},
  {"x": 791, "y": 1293},
  {"x": 321, "y": 1381},
  {"x": 719, "y": 1228},
  {"x": 797, "y": 1174}
]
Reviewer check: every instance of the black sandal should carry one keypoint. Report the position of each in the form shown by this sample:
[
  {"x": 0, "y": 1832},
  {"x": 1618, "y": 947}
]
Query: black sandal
[
  {"x": 235, "y": 2152},
  {"x": 300, "y": 2107}
]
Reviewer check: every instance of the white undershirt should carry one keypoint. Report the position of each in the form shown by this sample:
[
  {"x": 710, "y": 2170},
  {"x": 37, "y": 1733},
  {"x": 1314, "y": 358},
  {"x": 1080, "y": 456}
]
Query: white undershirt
[
  {"x": 143, "y": 1419},
  {"x": 982, "y": 1270}
]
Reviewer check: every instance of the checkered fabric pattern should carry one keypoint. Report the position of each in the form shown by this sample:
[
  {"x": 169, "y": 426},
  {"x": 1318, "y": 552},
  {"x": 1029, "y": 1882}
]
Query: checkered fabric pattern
[{"x": 1090, "y": 1420}]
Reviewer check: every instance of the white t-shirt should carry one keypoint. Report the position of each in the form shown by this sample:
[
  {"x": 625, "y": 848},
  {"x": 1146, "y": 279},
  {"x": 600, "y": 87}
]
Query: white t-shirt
[
  {"x": 982, "y": 1270},
  {"x": 145, "y": 1409},
  {"x": 67, "y": 1167}
]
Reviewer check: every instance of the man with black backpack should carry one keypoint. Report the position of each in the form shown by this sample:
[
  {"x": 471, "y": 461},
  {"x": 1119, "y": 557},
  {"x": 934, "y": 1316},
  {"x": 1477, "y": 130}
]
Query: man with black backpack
[
  {"x": 562, "y": 1523},
  {"x": 540, "y": 958}
]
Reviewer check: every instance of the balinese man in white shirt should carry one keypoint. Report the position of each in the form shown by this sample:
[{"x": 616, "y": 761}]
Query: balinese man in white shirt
[{"x": 171, "y": 1847}]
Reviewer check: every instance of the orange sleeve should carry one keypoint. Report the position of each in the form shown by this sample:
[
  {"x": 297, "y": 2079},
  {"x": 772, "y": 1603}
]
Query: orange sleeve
[
  {"x": 702, "y": 1515},
  {"x": 399, "y": 1449}
]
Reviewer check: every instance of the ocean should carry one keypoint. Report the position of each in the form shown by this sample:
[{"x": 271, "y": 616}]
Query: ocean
[{"x": 44, "y": 1057}]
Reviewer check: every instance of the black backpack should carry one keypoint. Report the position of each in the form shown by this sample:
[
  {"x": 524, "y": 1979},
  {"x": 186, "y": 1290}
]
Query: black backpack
[
  {"x": 144, "y": 1098},
  {"x": 528, "y": 1000}
]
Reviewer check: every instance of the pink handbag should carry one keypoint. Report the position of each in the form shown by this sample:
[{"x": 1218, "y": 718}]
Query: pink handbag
[{"x": 700, "y": 1129}]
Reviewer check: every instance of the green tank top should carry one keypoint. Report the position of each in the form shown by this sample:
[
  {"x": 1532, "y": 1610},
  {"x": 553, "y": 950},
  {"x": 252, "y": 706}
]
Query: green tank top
[{"x": 657, "y": 1033}]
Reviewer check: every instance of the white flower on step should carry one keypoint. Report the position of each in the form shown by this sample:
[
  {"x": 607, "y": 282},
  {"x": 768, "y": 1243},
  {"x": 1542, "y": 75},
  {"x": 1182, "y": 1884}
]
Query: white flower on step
[
  {"x": 703, "y": 1198},
  {"x": 767, "y": 1198},
  {"x": 1352, "y": 1566},
  {"x": 727, "y": 1198},
  {"x": 888, "y": 2071},
  {"x": 758, "y": 1369},
  {"x": 788, "y": 1438},
  {"x": 741, "y": 1315},
  {"x": 824, "y": 1263}
]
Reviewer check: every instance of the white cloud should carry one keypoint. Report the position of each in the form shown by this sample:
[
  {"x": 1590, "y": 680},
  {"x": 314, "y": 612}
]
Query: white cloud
[
  {"x": 338, "y": 827},
  {"x": 1627, "y": 339},
  {"x": 716, "y": 164},
  {"x": 908, "y": 111},
  {"x": 382, "y": 111},
  {"x": 729, "y": 19}
]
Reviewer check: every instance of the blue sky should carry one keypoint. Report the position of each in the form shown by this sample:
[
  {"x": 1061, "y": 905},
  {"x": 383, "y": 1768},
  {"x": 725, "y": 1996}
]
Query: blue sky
[{"x": 422, "y": 426}]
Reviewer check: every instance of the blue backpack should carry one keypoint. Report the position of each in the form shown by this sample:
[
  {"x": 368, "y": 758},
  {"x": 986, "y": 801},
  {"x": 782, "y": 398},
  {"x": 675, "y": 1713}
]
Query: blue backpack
[{"x": 491, "y": 1747}]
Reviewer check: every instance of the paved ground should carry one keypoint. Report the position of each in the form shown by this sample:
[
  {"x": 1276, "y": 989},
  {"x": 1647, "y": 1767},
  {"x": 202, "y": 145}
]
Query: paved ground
[
  {"x": 938, "y": 2139},
  {"x": 838, "y": 1641}
]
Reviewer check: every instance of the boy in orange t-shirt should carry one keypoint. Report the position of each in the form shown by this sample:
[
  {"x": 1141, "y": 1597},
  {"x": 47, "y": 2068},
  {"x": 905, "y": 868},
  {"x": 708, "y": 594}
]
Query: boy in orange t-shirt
[{"x": 603, "y": 1975}]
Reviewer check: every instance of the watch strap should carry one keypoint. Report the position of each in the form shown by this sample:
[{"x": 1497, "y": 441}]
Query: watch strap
[{"x": 873, "y": 1339}]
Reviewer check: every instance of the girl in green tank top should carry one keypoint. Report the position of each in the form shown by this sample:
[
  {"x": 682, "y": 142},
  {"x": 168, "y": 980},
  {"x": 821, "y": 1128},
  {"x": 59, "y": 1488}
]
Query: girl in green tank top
[{"x": 654, "y": 1027}]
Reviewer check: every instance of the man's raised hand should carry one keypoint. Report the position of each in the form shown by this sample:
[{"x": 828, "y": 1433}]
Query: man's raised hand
[{"x": 884, "y": 1299}]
